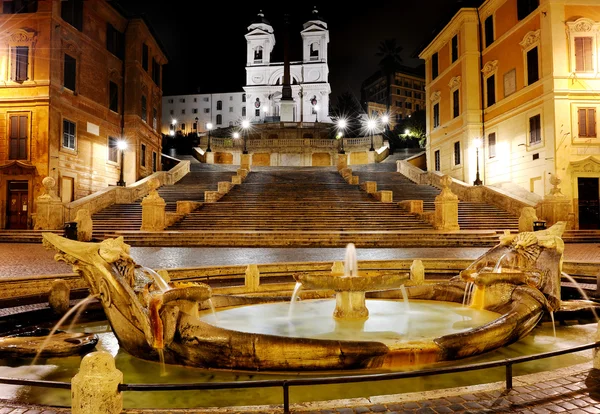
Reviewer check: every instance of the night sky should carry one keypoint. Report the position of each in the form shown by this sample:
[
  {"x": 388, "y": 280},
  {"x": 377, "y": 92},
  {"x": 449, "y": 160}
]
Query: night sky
[{"x": 206, "y": 47}]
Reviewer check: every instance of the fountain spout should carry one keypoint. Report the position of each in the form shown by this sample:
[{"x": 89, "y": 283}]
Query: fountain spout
[{"x": 351, "y": 286}]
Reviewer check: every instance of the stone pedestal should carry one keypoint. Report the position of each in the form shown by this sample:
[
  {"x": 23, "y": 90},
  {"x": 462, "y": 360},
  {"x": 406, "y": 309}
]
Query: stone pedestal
[
  {"x": 555, "y": 206},
  {"x": 385, "y": 196},
  {"x": 245, "y": 162},
  {"x": 85, "y": 226},
  {"x": 446, "y": 207},
  {"x": 286, "y": 110},
  {"x": 209, "y": 157},
  {"x": 223, "y": 187},
  {"x": 236, "y": 179},
  {"x": 95, "y": 388},
  {"x": 49, "y": 208},
  {"x": 153, "y": 209},
  {"x": 342, "y": 161},
  {"x": 242, "y": 172},
  {"x": 412, "y": 206},
  {"x": 350, "y": 305},
  {"x": 371, "y": 187}
]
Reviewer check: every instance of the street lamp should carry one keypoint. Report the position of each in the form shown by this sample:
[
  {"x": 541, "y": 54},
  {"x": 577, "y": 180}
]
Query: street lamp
[
  {"x": 121, "y": 146},
  {"x": 477, "y": 142},
  {"x": 245, "y": 126},
  {"x": 316, "y": 113},
  {"x": 371, "y": 125},
  {"x": 208, "y": 127},
  {"x": 341, "y": 126},
  {"x": 172, "y": 131}
]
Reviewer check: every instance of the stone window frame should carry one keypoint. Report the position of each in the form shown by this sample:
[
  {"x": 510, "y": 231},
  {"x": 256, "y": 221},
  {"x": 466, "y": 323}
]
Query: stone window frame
[
  {"x": 583, "y": 27},
  {"x": 62, "y": 136},
  {"x": 454, "y": 85},
  {"x": 490, "y": 69},
  {"x": 534, "y": 145},
  {"x": 487, "y": 42},
  {"x": 575, "y": 107},
  {"x": 71, "y": 49},
  {"x": 451, "y": 49},
  {"x": 530, "y": 41},
  {"x": 435, "y": 100},
  {"x": 21, "y": 37}
]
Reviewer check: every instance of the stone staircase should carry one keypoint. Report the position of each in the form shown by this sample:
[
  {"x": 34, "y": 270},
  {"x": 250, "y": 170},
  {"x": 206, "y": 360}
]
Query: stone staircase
[
  {"x": 129, "y": 216},
  {"x": 471, "y": 215}
]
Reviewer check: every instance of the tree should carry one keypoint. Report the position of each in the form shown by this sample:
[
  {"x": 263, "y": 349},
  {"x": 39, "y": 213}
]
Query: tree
[
  {"x": 348, "y": 107},
  {"x": 411, "y": 132}
]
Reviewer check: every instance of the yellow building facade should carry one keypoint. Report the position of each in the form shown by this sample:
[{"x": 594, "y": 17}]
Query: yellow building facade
[
  {"x": 514, "y": 86},
  {"x": 75, "y": 78}
]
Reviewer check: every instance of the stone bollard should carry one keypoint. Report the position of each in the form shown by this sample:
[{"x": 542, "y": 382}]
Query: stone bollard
[
  {"x": 417, "y": 272},
  {"x": 59, "y": 298},
  {"x": 153, "y": 209},
  {"x": 95, "y": 388},
  {"x": 370, "y": 187},
  {"x": 252, "y": 279},
  {"x": 337, "y": 268},
  {"x": 223, "y": 187},
  {"x": 49, "y": 208},
  {"x": 385, "y": 196},
  {"x": 446, "y": 207}
]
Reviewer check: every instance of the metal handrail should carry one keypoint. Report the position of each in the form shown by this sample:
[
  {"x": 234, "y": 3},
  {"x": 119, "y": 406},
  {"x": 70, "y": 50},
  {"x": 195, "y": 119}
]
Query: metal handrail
[{"x": 344, "y": 379}]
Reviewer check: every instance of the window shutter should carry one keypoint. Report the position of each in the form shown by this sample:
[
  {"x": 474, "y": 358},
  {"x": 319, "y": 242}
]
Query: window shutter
[
  {"x": 587, "y": 53},
  {"x": 22, "y": 59},
  {"x": 13, "y": 63},
  {"x": 22, "y": 130},
  {"x": 582, "y": 122},
  {"x": 591, "y": 122}
]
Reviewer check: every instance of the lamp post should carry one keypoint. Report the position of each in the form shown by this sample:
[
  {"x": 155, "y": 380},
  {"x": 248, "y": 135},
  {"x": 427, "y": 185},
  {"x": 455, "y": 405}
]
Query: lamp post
[
  {"x": 316, "y": 113},
  {"x": 208, "y": 127},
  {"x": 341, "y": 126},
  {"x": 172, "y": 131},
  {"x": 371, "y": 124},
  {"x": 477, "y": 142},
  {"x": 122, "y": 146},
  {"x": 245, "y": 126}
]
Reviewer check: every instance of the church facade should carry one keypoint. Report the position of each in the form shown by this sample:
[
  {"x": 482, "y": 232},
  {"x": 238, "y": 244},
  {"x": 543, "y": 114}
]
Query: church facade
[{"x": 308, "y": 78}]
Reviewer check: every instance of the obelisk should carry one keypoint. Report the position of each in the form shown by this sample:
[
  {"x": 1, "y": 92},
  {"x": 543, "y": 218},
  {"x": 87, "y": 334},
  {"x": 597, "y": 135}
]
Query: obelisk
[{"x": 286, "y": 110}]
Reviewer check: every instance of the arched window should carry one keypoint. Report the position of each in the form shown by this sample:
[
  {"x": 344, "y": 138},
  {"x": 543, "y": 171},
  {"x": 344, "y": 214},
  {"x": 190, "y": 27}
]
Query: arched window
[
  {"x": 219, "y": 119},
  {"x": 258, "y": 54},
  {"x": 219, "y": 105},
  {"x": 314, "y": 51}
]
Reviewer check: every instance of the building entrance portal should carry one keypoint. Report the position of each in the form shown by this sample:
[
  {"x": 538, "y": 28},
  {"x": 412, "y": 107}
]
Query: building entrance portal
[
  {"x": 18, "y": 205},
  {"x": 589, "y": 202}
]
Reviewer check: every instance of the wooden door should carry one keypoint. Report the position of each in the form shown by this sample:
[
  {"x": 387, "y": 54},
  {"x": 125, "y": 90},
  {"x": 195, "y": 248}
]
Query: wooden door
[
  {"x": 589, "y": 203},
  {"x": 18, "y": 205}
]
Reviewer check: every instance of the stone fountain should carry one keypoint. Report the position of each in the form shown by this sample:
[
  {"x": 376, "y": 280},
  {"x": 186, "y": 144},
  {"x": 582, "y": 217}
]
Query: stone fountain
[
  {"x": 156, "y": 319},
  {"x": 351, "y": 286}
]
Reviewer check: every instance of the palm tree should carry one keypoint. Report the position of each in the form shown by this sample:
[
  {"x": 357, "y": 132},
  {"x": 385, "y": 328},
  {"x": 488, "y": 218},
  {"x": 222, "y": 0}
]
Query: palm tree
[{"x": 390, "y": 62}]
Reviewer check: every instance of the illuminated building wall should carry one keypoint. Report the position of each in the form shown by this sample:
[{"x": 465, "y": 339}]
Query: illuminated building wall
[
  {"x": 63, "y": 94},
  {"x": 535, "y": 86}
]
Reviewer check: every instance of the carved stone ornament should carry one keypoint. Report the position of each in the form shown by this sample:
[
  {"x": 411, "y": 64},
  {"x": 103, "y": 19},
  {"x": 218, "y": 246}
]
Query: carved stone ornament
[
  {"x": 590, "y": 164},
  {"x": 530, "y": 38},
  {"x": 582, "y": 25},
  {"x": 435, "y": 96},
  {"x": 22, "y": 36},
  {"x": 490, "y": 67},
  {"x": 555, "y": 190},
  {"x": 71, "y": 48},
  {"x": 454, "y": 82}
]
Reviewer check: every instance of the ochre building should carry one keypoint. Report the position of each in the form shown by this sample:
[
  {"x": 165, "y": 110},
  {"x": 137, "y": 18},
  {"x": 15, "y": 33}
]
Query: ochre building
[
  {"x": 76, "y": 77},
  {"x": 517, "y": 84}
]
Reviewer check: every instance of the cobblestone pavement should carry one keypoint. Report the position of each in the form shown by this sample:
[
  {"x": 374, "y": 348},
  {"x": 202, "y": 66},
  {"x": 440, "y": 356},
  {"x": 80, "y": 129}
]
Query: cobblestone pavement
[{"x": 29, "y": 259}]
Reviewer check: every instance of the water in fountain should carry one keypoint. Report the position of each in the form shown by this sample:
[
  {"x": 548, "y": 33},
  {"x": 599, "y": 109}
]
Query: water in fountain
[
  {"x": 67, "y": 315},
  {"x": 468, "y": 292},
  {"x": 295, "y": 295},
  {"x": 350, "y": 261},
  {"x": 405, "y": 298},
  {"x": 158, "y": 279},
  {"x": 580, "y": 290},
  {"x": 498, "y": 266}
]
